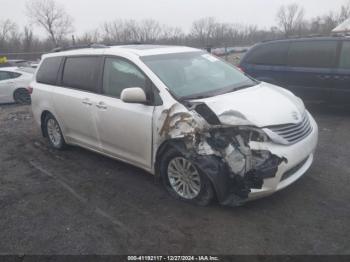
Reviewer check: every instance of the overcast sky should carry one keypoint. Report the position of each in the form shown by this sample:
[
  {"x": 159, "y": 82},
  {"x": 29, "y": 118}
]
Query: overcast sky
[{"x": 88, "y": 14}]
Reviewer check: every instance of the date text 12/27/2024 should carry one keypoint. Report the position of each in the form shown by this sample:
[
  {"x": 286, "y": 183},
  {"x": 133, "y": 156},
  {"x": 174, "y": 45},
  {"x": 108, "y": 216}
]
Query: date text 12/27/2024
[{"x": 173, "y": 258}]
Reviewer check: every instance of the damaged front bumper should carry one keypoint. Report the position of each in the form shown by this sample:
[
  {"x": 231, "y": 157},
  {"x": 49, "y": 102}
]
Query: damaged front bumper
[
  {"x": 240, "y": 160},
  {"x": 300, "y": 157}
]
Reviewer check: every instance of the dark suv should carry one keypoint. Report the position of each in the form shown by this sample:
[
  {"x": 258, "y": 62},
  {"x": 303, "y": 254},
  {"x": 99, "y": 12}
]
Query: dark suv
[{"x": 316, "y": 69}]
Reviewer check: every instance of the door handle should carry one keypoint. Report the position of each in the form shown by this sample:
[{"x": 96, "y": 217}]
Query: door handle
[
  {"x": 101, "y": 105},
  {"x": 87, "y": 102}
]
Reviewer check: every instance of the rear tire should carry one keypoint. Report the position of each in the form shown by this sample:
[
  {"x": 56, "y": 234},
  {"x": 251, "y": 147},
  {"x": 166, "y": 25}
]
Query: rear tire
[
  {"x": 183, "y": 180},
  {"x": 22, "y": 96},
  {"x": 54, "y": 133}
]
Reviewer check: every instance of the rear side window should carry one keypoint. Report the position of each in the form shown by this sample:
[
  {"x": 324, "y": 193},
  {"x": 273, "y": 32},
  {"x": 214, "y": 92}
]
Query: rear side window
[
  {"x": 4, "y": 75},
  {"x": 269, "y": 54},
  {"x": 318, "y": 54},
  {"x": 48, "y": 71},
  {"x": 345, "y": 56},
  {"x": 82, "y": 73},
  {"x": 15, "y": 75}
]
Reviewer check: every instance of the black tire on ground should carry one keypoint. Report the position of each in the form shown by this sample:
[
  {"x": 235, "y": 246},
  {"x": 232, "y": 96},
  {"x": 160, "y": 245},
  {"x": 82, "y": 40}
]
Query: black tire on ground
[
  {"x": 206, "y": 192},
  {"x": 53, "y": 132},
  {"x": 22, "y": 96}
]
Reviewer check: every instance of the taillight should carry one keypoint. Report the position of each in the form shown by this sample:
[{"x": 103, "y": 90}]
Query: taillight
[{"x": 30, "y": 89}]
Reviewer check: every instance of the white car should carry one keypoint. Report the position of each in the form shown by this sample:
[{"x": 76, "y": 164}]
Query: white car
[
  {"x": 14, "y": 83},
  {"x": 196, "y": 122}
]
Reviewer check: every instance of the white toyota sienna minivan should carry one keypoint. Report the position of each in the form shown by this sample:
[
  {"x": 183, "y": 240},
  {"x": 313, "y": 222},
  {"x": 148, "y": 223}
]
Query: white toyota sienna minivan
[{"x": 202, "y": 126}]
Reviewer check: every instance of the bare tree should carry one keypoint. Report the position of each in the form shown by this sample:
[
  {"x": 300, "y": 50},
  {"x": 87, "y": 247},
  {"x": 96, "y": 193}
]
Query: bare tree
[
  {"x": 204, "y": 32},
  {"x": 89, "y": 37},
  {"x": 172, "y": 35},
  {"x": 6, "y": 29},
  {"x": 8, "y": 32},
  {"x": 52, "y": 17},
  {"x": 112, "y": 31},
  {"x": 28, "y": 38},
  {"x": 124, "y": 31},
  {"x": 203, "y": 29},
  {"x": 290, "y": 18},
  {"x": 150, "y": 30},
  {"x": 326, "y": 23},
  {"x": 172, "y": 32},
  {"x": 15, "y": 39},
  {"x": 131, "y": 31},
  {"x": 344, "y": 13},
  {"x": 120, "y": 31}
]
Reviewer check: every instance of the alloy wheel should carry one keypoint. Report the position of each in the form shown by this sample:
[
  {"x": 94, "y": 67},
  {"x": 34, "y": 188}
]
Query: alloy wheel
[
  {"x": 54, "y": 132},
  {"x": 184, "y": 178}
]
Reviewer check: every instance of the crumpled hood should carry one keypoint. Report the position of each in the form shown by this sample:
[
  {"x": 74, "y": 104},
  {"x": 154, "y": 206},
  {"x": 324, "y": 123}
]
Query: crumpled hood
[{"x": 262, "y": 105}]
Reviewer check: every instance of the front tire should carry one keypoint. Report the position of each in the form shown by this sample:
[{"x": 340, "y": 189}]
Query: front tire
[
  {"x": 54, "y": 133},
  {"x": 184, "y": 181}
]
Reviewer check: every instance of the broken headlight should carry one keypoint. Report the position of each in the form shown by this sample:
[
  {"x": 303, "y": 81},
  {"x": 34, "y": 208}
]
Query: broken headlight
[
  {"x": 221, "y": 138},
  {"x": 252, "y": 134}
]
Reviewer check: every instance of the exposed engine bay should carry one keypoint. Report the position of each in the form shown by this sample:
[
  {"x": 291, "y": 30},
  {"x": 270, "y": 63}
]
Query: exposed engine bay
[{"x": 222, "y": 151}]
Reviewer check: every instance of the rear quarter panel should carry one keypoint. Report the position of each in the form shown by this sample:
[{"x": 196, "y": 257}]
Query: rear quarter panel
[{"x": 42, "y": 101}]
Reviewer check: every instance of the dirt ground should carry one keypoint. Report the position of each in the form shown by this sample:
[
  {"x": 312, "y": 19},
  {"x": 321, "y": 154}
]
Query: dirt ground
[{"x": 79, "y": 202}]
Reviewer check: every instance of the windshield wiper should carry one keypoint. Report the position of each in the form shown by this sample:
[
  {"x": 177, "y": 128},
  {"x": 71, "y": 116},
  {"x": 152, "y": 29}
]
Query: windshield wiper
[
  {"x": 216, "y": 93},
  {"x": 236, "y": 88},
  {"x": 242, "y": 87}
]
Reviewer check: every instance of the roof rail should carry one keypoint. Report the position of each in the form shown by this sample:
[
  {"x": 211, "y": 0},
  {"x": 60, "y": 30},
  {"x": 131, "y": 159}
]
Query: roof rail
[
  {"x": 66, "y": 48},
  {"x": 296, "y": 37}
]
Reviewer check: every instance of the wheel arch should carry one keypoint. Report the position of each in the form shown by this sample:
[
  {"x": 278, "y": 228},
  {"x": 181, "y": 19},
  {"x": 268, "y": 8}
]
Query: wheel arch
[
  {"x": 170, "y": 143},
  {"x": 179, "y": 148},
  {"x": 211, "y": 165},
  {"x": 44, "y": 114},
  {"x": 18, "y": 89}
]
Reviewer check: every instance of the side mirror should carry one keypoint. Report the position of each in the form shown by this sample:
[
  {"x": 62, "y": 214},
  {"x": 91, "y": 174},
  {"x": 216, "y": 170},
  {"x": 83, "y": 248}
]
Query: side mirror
[{"x": 133, "y": 95}]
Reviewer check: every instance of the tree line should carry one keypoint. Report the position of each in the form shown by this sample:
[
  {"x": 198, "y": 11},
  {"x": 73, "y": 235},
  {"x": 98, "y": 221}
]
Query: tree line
[{"x": 58, "y": 26}]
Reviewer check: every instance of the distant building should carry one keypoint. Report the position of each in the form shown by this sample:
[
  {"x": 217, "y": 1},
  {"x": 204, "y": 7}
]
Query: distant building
[{"x": 343, "y": 27}]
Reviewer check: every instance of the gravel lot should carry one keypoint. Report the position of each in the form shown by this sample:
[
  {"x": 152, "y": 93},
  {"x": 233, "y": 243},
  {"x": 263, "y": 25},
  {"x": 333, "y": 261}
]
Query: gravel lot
[{"x": 78, "y": 202}]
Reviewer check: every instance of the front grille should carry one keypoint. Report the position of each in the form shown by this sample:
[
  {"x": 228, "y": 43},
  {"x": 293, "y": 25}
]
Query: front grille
[
  {"x": 294, "y": 132},
  {"x": 293, "y": 170}
]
